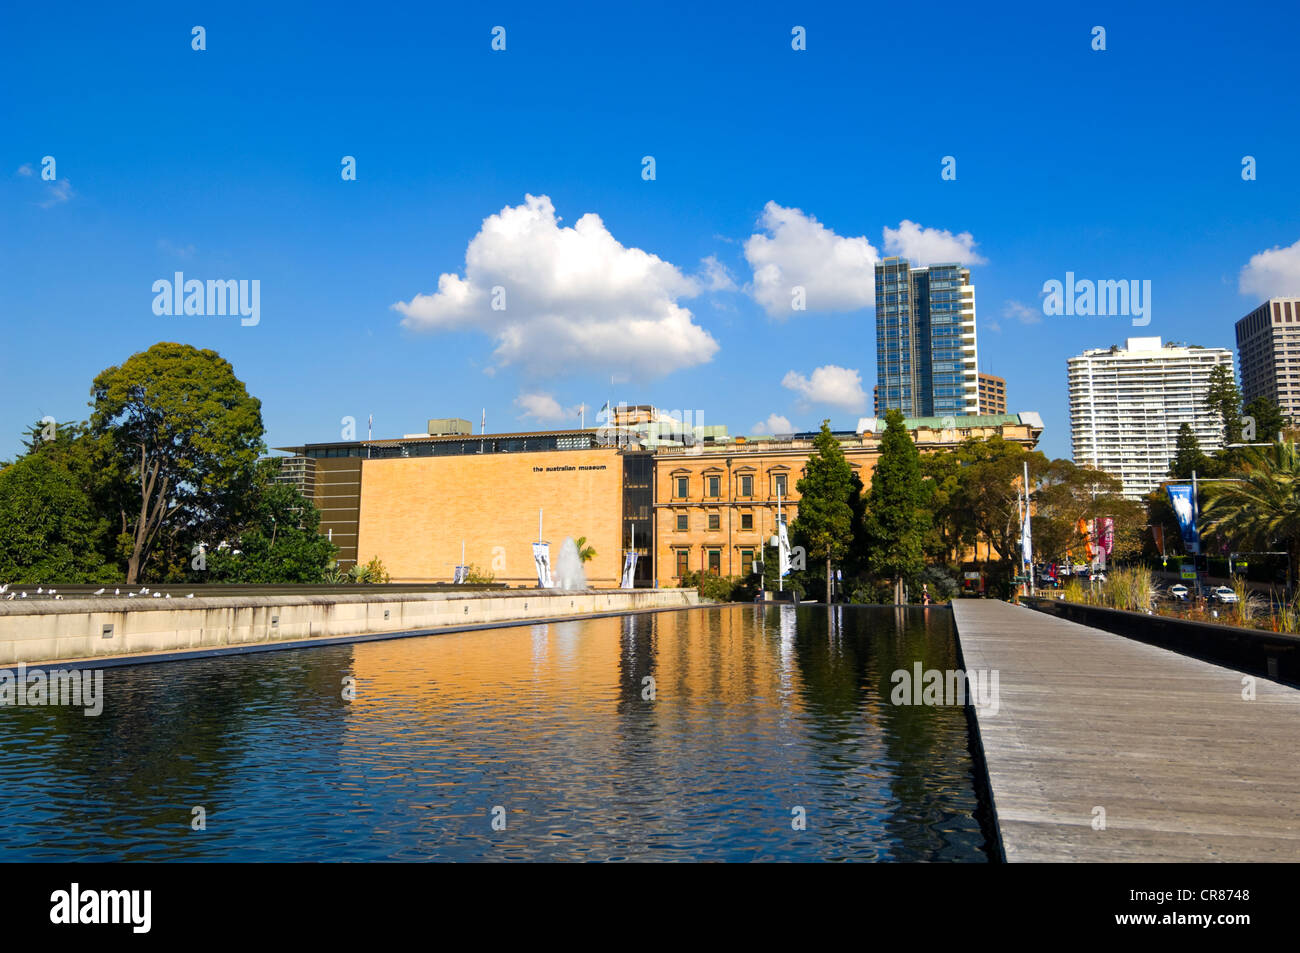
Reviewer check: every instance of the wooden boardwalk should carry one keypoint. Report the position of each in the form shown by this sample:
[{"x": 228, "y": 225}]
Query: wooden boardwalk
[{"x": 1184, "y": 768}]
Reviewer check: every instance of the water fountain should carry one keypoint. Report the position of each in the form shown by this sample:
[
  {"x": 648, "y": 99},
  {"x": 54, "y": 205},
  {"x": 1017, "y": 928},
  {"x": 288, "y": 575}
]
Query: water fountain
[{"x": 569, "y": 573}]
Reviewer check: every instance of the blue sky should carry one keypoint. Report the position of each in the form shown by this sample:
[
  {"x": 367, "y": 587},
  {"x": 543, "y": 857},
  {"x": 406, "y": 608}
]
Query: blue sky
[{"x": 225, "y": 164}]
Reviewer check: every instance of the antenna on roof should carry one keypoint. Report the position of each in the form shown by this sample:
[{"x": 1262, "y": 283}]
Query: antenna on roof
[{"x": 482, "y": 429}]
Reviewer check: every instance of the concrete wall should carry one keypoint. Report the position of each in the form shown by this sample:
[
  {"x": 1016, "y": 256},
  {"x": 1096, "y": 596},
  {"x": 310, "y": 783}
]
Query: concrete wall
[{"x": 74, "y": 629}]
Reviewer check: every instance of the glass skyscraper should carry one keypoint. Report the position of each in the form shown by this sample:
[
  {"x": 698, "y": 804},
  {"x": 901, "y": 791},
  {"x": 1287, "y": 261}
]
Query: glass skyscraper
[{"x": 926, "y": 362}]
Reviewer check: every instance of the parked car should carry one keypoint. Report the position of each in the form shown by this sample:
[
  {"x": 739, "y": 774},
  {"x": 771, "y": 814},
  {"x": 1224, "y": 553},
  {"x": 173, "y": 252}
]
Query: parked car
[
  {"x": 1177, "y": 591},
  {"x": 1223, "y": 594}
]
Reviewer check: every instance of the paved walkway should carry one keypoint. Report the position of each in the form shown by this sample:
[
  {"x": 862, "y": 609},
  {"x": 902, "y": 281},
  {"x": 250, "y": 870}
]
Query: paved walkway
[{"x": 1184, "y": 767}]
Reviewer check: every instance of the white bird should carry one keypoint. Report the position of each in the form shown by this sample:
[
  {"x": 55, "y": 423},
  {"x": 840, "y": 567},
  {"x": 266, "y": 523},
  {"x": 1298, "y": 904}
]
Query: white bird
[
  {"x": 57, "y": 598},
  {"x": 157, "y": 595},
  {"x": 51, "y": 592},
  {"x": 99, "y": 592},
  {"x": 190, "y": 596},
  {"x": 169, "y": 595},
  {"x": 130, "y": 595},
  {"x": 117, "y": 592},
  {"x": 24, "y": 595},
  {"x": 39, "y": 590},
  {"x": 4, "y": 587},
  {"x": 11, "y": 595},
  {"x": 143, "y": 590}
]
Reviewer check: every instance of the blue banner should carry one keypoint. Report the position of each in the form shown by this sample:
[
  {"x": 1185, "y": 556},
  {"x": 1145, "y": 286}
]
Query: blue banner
[{"x": 1184, "y": 504}]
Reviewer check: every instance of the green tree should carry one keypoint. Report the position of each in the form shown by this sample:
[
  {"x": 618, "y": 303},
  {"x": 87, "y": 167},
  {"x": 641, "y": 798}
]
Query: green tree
[
  {"x": 989, "y": 492},
  {"x": 1067, "y": 493},
  {"x": 1268, "y": 418},
  {"x": 1223, "y": 399},
  {"x": 825, "y": 521},
  {"x": 897, "y": 522},
  {"x": 48, "y": 525},
  {"x": 278, "y": 540},
  {"x": 1187, "y": 455},
  {"x": 585, "y": 553},
  {"x": 1260, "y": 508},
  {"x": 182, "y": 439}
]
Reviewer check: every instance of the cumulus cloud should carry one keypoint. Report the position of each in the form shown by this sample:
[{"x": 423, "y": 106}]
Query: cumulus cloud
[
  {"x": 836, "y": 273},
  {"x": 716, "y": 275},
  {"x": 929, "y": 246},
  {"x": 829, "y": 385},
  {"x": 543, "y": 408},
  {"x": 559, "y": 299},
  {"x": 775, "y": 423},
  {"x": 1022, "y": 312},
  {"x": 1272, "y": 273}
]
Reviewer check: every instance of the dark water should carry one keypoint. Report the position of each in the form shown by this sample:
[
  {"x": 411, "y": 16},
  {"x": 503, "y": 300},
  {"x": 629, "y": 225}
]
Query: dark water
[{"x": 756, "y": 712}]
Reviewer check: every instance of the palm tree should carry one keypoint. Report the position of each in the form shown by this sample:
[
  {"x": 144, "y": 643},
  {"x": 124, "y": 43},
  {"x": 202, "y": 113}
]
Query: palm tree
[
  {"x": 585, "y": 553},
  {"x": 1260, "y": 505}
]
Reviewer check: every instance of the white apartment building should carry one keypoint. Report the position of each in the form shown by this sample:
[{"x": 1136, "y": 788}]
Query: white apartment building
[{"x": 1127, "y": 404}]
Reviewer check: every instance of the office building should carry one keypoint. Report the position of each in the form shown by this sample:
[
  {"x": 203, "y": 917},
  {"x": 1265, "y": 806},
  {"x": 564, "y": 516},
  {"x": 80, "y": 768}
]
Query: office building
[
  {"x": 1268, "y": 349},
  {"x": 1128, "y": 403},
  {"x": 993, "y": 394},
  {"x": 926, "y": 361}
]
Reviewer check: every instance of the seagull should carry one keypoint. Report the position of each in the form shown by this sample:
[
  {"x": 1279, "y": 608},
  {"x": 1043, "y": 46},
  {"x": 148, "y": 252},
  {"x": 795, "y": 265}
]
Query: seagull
[
  {"x": 99, "y": 592},
  {"x": 169, "y": 595},
  {"x": 11, "y": 596},
  {"x": 157, "y": 595},
  {"x": 39, "y": 590},
  {"x": 190, "y": 596},
  {"x": 143, "y": 590},
  {"x": 4, "y": 587},
  {"x": 117, "y": 592},
  {"x": 50, "y": 593},
  {"x": 24, "y": 595},
  {"x": 130, "y": 595}
]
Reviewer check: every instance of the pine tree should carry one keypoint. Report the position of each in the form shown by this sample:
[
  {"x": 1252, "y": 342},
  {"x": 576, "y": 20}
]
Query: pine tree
[
  {"x": 1188, "y": 455},
  {"x": 825, "y": 520},
  {"x": 897, "y": 523},
  {"x": 1224, "y": 399}
]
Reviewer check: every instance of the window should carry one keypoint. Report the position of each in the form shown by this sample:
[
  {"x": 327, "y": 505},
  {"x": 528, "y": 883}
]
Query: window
[
  {"x": 683, "y": 561},
  {"x": 715, "y": 521},
  {"x": 715, "y": 486},
  {"x": 683, "y": 488},
  {"x": 682, "y": 522},
  {"x": 747, "y": 521},
  {"x": 746, "y": 562},
  {"x": 715, "y": 562},
  {"x": 779, "y": 484},
  {"x": 746, "y": 485}
]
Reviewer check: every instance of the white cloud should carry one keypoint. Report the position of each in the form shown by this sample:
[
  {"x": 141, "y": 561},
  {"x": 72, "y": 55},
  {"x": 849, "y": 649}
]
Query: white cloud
[
  {"x": 575, "y": 298},
  {"x": 837, "y": 273},
  {"x": 58, "y": 193},
  {"x": 928, "y": 246},
  {"x": 775, "y": 423},
  {"x": 716, "y": 275},
  {"x": 171, "y": 248},
  {"x": 543, "y": 408},
  {"x": 831, "y": 385},
  {"x": 1272, "y": 273},
  {"x": 25, "y": 169},
  {"x": 1022, "y": 312}
]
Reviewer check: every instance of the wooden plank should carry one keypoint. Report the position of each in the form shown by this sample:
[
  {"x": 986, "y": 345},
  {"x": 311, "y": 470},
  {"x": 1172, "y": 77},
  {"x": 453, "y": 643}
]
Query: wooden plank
[{"x": 1185, "y": 768}]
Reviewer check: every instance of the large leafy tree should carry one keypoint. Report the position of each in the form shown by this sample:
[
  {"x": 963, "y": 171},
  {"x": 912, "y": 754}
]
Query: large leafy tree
[
  {"x": 989, "y": 491},
  {"x": 1260, "y": 507},
  {"x": 182, "y": 438},
  {"x": 826, "y": 489},
  {"x": 897, "y": 523},
  {"x": 49, "y": 530},
  {"x": 1067, "y": 493},
  {"x": 277, "y": 540}
]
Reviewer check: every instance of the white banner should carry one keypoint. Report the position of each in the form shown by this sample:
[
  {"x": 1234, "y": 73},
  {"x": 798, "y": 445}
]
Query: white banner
[
  {"x": 542, "y": 557},
  {"x": 629, "y": 571}
]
